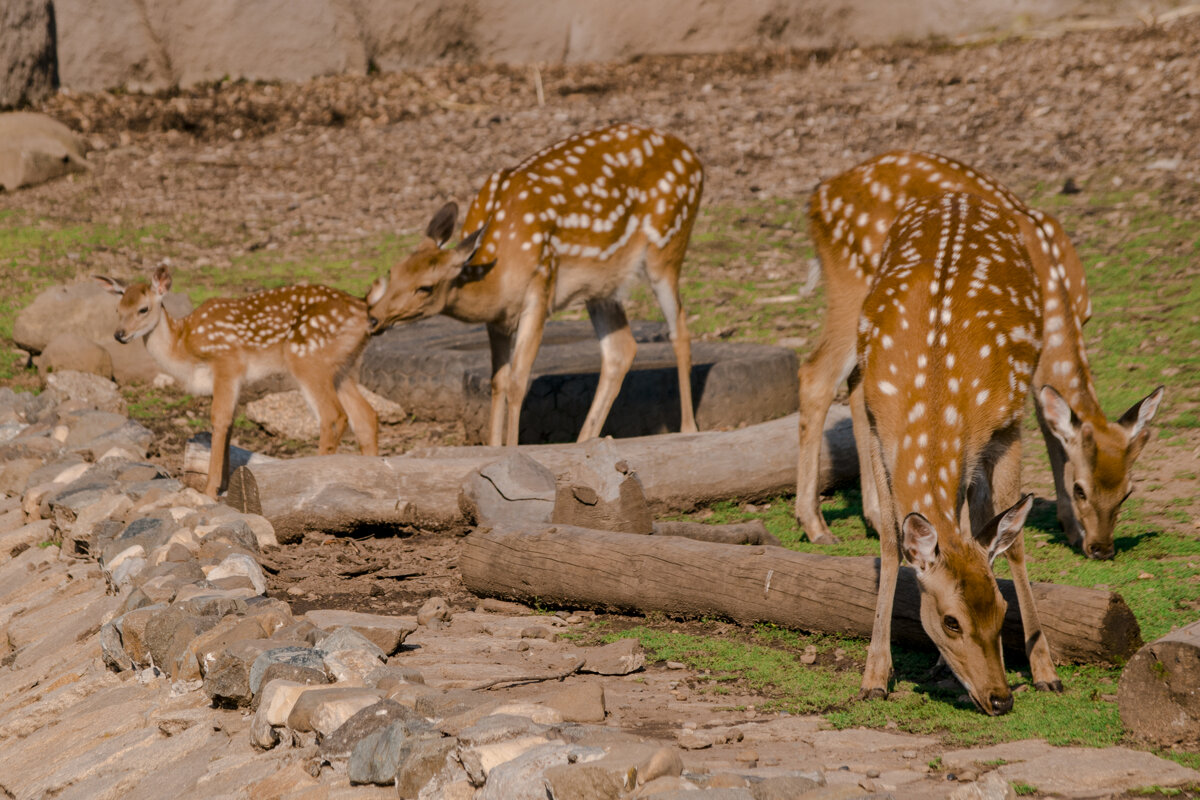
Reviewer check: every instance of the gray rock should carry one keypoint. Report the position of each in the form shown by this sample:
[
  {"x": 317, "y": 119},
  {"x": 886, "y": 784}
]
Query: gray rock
[
  {"x": 618, "y": 658},
  {"x": 235, "y": 532},
  {"x": 169, "y": 624},
  {"x": 346, "y": 638},
  {"x": 422, "y": 758},
  {"x": 372, "y": 719},
  {"x": 301, "y": 631},
  {"x": 589, "y": 781},
  {"x": 227, "y": 675},
  {"x": 514, "y": 490},
  {"x": 579, "y": 702},
  {"x": 290, "y": 672},
  {"x": 498, "y": 727},
  {"x": 287, "y": 414},
  {"x": 217, "y": 605},
  {"x": 72, "y": 351},
  {"x": 112, "y": 651},
  {"x": 308, "y": 657},
  {"x": 86, "y": 426},
  {"x": 28, "y": 59},
  {"x": 327, "y": 709},
  {"x": 522, "y": 777},
  {"x": 132, "y": 627},
  {"x": 784, "y": 787},
  {"x": 149, "y": 532},
  {"x": 990, "y": 787},
  {"x": 35, "y": 148},
  {"x": 393, "y": 754},
  {"x": 239, "y": 564},
  {"x": 90, "y": 390},
  {"x": 441, "y": 703},
  {"x": 386, "y": 633}
]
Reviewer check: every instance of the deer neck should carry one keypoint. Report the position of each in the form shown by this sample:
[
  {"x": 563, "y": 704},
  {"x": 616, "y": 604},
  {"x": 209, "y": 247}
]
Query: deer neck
[
  {"x": 164, "y": 343},
  {"x": 1063, "y": 363}
]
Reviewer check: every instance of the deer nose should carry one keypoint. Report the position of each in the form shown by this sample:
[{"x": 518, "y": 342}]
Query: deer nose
[
  {"x": 372, "y": 324},
  {"x": 1100, "y": 552},
  {"x": 1002, "y": 705},
  {"x": 120, "y": 336}
]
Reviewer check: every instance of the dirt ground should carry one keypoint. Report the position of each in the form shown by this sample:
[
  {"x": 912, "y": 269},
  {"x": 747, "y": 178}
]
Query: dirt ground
[{"x": 238, "y": 168}]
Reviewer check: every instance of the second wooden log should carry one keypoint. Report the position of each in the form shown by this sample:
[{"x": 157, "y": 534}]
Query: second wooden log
[{"x": 582, "y": 568}]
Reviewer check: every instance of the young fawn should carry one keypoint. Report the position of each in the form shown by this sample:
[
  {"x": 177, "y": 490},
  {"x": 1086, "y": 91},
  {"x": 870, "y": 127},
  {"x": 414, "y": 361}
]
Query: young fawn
[
  {"x": 577, "y": 222},
  {"x": 947, "y": 344},
  {"x": 313, "y": 333},
  {"x": 1091, "y": 458}
]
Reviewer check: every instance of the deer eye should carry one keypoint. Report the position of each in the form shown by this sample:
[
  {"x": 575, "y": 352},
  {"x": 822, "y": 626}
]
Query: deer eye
[
  {"x": 951, "y": 624},
  {"x": 424, "y": 290},
  {"x": 1080, "y": 493},
  {"x": 144, "y": 310}
]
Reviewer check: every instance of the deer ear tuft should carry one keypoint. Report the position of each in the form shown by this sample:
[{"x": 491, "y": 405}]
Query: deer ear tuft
[
  {"x": 441, "y": 227},
  {"x": 113, "y": 285}
]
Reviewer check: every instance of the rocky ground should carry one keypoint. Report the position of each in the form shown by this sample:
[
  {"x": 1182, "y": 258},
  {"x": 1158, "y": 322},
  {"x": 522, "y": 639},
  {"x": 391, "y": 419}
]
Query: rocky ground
[{"x": 236, "y": 169}]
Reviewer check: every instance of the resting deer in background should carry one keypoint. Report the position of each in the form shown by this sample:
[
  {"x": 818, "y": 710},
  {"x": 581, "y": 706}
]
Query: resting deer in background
[
  {"x": 1091, "y": 458},
  {"x": 947, "y": 343},
  {"x": 577, "y": 222},
  {"x": 313, "y": 333}
]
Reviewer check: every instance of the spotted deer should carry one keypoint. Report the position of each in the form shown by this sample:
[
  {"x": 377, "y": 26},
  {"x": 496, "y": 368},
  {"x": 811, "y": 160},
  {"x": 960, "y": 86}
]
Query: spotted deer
[
  {"x": 313, "y": 333},
  {"x": 1091, "y": 458},
  {"x": 946, "y": 346},
  {"x": 577, "y": 222}
]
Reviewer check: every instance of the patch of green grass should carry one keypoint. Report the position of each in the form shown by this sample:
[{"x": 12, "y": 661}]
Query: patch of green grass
[
  {"x": 146, "y": 402},
  {"x": 1023, "y": 789}
]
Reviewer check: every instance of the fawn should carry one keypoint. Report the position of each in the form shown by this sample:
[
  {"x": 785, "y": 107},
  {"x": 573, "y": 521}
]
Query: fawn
[
  {"x": 947, "y": 344},
  {"x": 576, "y": 222},
  {"x": 1091, "y": 458},
  {"x": 313, "y": 333}
]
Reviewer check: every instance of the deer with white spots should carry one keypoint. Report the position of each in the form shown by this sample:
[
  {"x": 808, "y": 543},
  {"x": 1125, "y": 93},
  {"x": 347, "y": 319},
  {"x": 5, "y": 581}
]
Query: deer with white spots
[
  {"x": 1091, "y": 458},
  {"x": 313, "y": 333},
  {"x": 946, "y": 346},
  {"x": 577, "y": 222}
]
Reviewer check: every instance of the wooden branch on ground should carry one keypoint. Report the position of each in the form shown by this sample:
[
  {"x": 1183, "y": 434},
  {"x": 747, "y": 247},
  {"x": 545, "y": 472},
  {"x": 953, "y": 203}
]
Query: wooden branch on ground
[
  {"x": 343, "y": 493},
  {"x": 581, "y": 568},
  {"x": 752, "y": 532}
]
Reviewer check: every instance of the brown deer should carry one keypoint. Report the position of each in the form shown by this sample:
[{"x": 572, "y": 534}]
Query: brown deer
[
  {"x": 313, "y": 333},
  {"x": 947, "y": 344},
  {"x": 577, "y": 222},
  {"x": 849, "y": 217}
]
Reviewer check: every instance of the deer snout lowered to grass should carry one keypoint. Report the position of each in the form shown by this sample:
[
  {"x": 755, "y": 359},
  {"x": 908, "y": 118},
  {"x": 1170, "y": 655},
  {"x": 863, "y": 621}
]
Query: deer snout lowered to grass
[
  {"x": 313, "y": 333},
  {"x": 575, "y": 223}
]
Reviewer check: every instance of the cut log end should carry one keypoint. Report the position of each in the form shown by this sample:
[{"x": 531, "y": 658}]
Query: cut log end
[{"x": 1159, "y": 691}]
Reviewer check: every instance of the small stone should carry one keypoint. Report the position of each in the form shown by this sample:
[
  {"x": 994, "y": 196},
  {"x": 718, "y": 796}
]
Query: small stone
[
  {"x": 386, "y": 633},
  {"x": 291, "y": 654},
  {"x": 369, "y": 720},
  {"x": 583, "y": 702},
  {"x": 324, "y": 710},
  {"x": 749, "y": 756},
  {"x": 675, "y": 665},
  {"x": 872, "y": 773},
  {"x": 694, "y": 741},
  {"x": 618, "y": 658},
  {"x": 433, "y": 612},
  {"x": 663, "y": 762}
]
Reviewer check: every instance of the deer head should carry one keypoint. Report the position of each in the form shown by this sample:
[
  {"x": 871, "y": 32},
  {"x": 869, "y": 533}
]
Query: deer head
[
  {"x": 961, "y": 606},
  {"x": 419, "y": 286},
  {"x": 140, "y": 307},
  {"x": 1099, "y": 460}
]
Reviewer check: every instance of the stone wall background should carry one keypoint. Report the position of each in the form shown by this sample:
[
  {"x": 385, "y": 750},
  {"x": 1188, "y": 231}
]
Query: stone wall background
[{"x": 146, "y": 45}]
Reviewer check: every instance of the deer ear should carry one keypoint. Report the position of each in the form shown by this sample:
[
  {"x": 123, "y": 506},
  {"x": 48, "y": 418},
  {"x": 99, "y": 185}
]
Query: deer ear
[
  {"x": 473, "y": 272},
  {"x": 920, "y": 542},
  {"x": 1139, "y": 415},
  {"x": 441, "y": 227},
  {"x": 111, "y": 284},
  {"x": 1058, "y": 415},
  {"x": 375, "y": 293},
  {"x": 1002, "y": 531},
  {"x": 161, "y": 281}
]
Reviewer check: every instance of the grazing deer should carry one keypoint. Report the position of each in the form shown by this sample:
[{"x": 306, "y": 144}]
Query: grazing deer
[
  {"x": 849, "y": 217},
  {"x": 578, "y": 221},
  {"x": 947, "y": 344},
  {"x": 313, "y": 333}
]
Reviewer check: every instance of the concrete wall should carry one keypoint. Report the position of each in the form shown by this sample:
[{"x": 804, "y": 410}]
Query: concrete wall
[{"x": 151, "y": 44}]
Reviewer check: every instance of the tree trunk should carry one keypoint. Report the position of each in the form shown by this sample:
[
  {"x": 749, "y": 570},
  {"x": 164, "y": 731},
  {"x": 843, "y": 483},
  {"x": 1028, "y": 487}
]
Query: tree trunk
[
  {"x": 580, "y": 568},
  {"x": 751, "y": 532},
  {"x": 1159, "y": 690},
  {"x": 343, "y": 493}
]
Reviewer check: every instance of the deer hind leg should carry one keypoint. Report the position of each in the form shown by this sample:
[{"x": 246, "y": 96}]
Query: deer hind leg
[
  {"x": 1005, "y": 491},
  {"x": 363, "y": 419},
  {"x": 663, "y": 268},
  {"x": 617, "y": 350},
  {"x": 322, "y": 398},
  {"x": 878, "y": 669},
  {"x": 501, "y": 344},
  {"x": 862, "y": 444},
  {"x": 224, "y": 401}
]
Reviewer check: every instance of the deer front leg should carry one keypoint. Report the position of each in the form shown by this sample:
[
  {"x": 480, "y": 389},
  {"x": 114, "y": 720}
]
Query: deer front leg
[
  {"x": 1062, "y": 497},
  {"x": 1005, "y": 490},
  {"x": 525, "y": 347},
  {"x": 862, "y": 445},
  {"x": 500, "y": 342},
  {"x": 878, "y": 669},
  {"x": 617, "y": 351},
  {"x": 363, "y": 419},
  {"x": 224, "y": 402}
]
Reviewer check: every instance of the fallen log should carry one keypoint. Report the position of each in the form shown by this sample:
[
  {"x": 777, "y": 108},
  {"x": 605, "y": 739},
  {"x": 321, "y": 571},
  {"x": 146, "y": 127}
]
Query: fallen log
[
  {"x": 197, "y": 453},
  {"x": 752, "y": 532},
  {"x": 1159, "y": 691},
  {"x": 344, "y": 493},
  {"x": 581, "y": 568}
]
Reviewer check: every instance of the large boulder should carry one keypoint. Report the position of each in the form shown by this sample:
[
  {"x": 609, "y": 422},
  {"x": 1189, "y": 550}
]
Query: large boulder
[
  {"x": 28, "y": 62},
  {"x": 90, "y": 311},
  {"x": 103, "y": 44},
  {"x": 35, "y": 148}
]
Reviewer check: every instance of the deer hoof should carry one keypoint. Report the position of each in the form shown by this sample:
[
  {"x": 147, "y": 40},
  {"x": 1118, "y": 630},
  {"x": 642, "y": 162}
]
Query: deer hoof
[
  {"x": 1049, "y": 686},
  {"x": 823, "y": 538},
  {"x": 873, "y": 694}
]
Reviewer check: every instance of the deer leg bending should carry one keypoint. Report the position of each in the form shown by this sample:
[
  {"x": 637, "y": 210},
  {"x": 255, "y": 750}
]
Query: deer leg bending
[
  {"x": 617, "y": 351},
  {"x": 501, "y": 343},
  {"x": 363, "y": 419},
  {"x": 529, "y": 336},
  {"x": 224, "y": 400}
]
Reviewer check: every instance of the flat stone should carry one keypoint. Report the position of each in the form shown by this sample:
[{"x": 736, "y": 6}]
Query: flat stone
[
  {"x": 521, "y": 778},
  {"x": 206, "y": 648},
  {"x": 170, "y": 624},
  {"x": 240, "y": 565},
  {"x": 990, "y": 787},
  {"x": 1087, "y": 772},
  {"x": 111, "y": 650},
  {"x": 386, "y": 633},
  {"x": 292, "y": 779},
  {"x": 227, "y": 676},
  {"x": 306, "y": 676},
  {"x": 582, "y": 702},
  {"x": 783, "y": 787},
  {"x": 346, "y": 638},
  {"x": 422, "y": 757},
  {"x": 499, "y": 728},
  {"x": 433, "y": 612},
  {"x": 591, "y": 781},
  {"x": 618, "y": 658},
  {"x": 234, "y": 532}
]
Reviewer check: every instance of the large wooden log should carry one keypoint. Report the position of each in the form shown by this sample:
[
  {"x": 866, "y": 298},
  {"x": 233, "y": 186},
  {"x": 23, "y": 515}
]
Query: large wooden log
[
  {"x": 1159, "y": 690},
  {"x": 581, "y": 568},
  {"x": 343, "y": 493}
]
